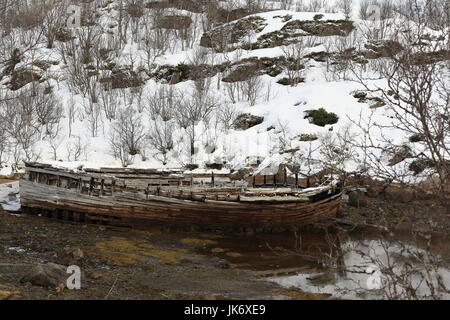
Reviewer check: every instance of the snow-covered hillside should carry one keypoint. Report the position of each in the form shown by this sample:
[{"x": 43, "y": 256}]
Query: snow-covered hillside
[{"x": 142, "y": 87}]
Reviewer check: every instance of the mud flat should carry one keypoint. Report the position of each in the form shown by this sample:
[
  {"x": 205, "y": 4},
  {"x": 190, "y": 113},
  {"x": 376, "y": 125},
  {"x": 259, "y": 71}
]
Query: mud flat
[{"x": 125, "y": 264}]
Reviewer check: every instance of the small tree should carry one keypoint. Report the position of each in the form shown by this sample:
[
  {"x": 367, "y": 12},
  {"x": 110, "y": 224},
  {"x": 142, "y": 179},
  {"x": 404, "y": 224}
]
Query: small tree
[{"x": 127, "y": 136}]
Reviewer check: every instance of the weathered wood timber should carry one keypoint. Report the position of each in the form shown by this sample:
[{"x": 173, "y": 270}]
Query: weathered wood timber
[{"x": 143, "y": 198}]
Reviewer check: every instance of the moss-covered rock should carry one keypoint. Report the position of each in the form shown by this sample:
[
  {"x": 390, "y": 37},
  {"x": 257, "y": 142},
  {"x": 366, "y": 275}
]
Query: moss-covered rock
[
  {"x": 294, "y": 29},
  {"x": 319, "y": 28},
  {"x": 177, "y": 22},
  {"x": 399, "y": 154},
  {"x": 381, "y": 49},
  {"x": 291, "y": 82},
  {"x": 246, "y": 121},
  {"x": 232, "y": 33},
  {"x": 22, "y": 77},
  {"x": 123, "y": 78},
  {"x": 305, "y": 137},
  {"x": 243, "y": 70}
]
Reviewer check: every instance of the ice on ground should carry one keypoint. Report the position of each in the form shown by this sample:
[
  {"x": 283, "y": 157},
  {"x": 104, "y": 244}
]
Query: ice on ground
[{"x": 363, "y": 278}]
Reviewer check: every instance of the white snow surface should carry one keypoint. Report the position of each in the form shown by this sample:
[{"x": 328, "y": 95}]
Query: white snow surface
[
  {"x": 9, "y": 196},
  {"x": 283, "y": 108}
]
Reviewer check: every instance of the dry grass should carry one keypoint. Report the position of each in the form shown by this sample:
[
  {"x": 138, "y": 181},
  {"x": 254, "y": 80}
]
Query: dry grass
[
  {"x": 198, "y": 242},
  {"x": 234, "y": 254},
  {"x": 2, "y": 181},
  {"x": 8, "y": 292},
  {"x": 121, "y": 252}
]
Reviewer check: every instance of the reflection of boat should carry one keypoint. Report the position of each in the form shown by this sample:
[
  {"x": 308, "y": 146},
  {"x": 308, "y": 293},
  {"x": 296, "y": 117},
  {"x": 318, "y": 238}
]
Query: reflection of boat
[{"x": 144, "y": 198}]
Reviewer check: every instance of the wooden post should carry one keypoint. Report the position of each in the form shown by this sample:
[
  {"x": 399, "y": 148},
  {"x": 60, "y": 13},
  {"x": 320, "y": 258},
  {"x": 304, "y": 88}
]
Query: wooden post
[
  {"x": 296, "y": 180},
  {"x": 264, "y": 179},
  {"x": 102, "y": 192},
  {"x": 91, "y": 185},
  {"x": 254, "y": 181},
  {"x": 285, "y": 176},
  {"x": 212, "y": 178}
]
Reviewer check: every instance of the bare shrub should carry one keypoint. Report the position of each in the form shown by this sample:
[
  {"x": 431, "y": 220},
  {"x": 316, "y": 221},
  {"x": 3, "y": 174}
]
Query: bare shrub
[
  {"x": 251, "y": 89},
  {"x": 75, "y": 149},
  {"x": 163, "y": 103},
  {"x": 293, "y": 55},
  {"x": 227, "y": 115},
  {"x": 161, "y": 138},
  {"x": 127, "y": 136}
]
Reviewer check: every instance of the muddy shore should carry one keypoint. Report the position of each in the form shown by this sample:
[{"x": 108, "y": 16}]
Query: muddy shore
[
  {"x": 156, "y": 264},
  {"x": 126, "y": 264}
]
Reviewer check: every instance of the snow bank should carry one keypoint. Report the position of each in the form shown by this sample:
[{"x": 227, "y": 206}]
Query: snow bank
[{"x": 9, "y": 196}]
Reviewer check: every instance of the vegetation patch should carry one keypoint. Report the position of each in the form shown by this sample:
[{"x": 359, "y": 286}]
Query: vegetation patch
[
  {"x": 7, "y": 292},
  {"x": 291, "y": 82},
  {"x": 321, "y": 117},
  {"x": 420, "y": 165},
  {"x": 198, "y": 242},
  {"x": 305, "y": 137},
  {"x": 294, "y": 150},
  {"x": 417, "y": 138},
  {"x": 121, "y": 252},
  {"x": 233, "y": 254}
]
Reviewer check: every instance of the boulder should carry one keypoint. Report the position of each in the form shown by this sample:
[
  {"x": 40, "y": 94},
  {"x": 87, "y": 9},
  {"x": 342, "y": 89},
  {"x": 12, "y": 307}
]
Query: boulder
[
  {"x": 22, "y": 77},
  {"x": 246, "y": 121},
  {"x": 399, "y": 154},
  {"x": 382, "y": 49},
  {"x": 357, "y": 199},
  {"x": 177, "y": 22},
  {"x": 232, "y": 33},
  {"x": 48, "y": 275},
  {"x": 242, "y": 71},
  {"x": 375, "y": 191},
  {"x": 320, "y": 28},
  {"x": 121, "y": 79},
  {"x": 70, "y": 256},
  {"x": 398, "y": 194}
]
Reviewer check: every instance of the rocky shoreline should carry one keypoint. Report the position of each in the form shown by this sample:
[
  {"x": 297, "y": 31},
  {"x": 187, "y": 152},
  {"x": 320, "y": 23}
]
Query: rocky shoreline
[
  {"x": 156, "y": 264},
  {"x": 121, "y": 264}
]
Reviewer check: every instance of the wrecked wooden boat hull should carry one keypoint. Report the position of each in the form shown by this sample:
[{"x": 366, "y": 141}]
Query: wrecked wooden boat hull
[{"x": 109, "y": 199}]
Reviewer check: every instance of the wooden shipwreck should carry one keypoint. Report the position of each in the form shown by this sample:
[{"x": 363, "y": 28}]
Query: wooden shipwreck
[{"x": 143, "y": 198}]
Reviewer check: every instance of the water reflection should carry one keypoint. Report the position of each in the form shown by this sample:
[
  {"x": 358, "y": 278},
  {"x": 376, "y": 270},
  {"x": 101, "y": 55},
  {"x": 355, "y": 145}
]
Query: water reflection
[{"x": 357, "y": 264}]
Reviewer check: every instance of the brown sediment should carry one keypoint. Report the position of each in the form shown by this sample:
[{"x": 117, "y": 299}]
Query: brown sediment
[{"x": 142, "y": 264}]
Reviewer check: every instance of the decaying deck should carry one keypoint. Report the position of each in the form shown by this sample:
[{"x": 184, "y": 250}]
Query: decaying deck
[{"x": 143, "y": 198}]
